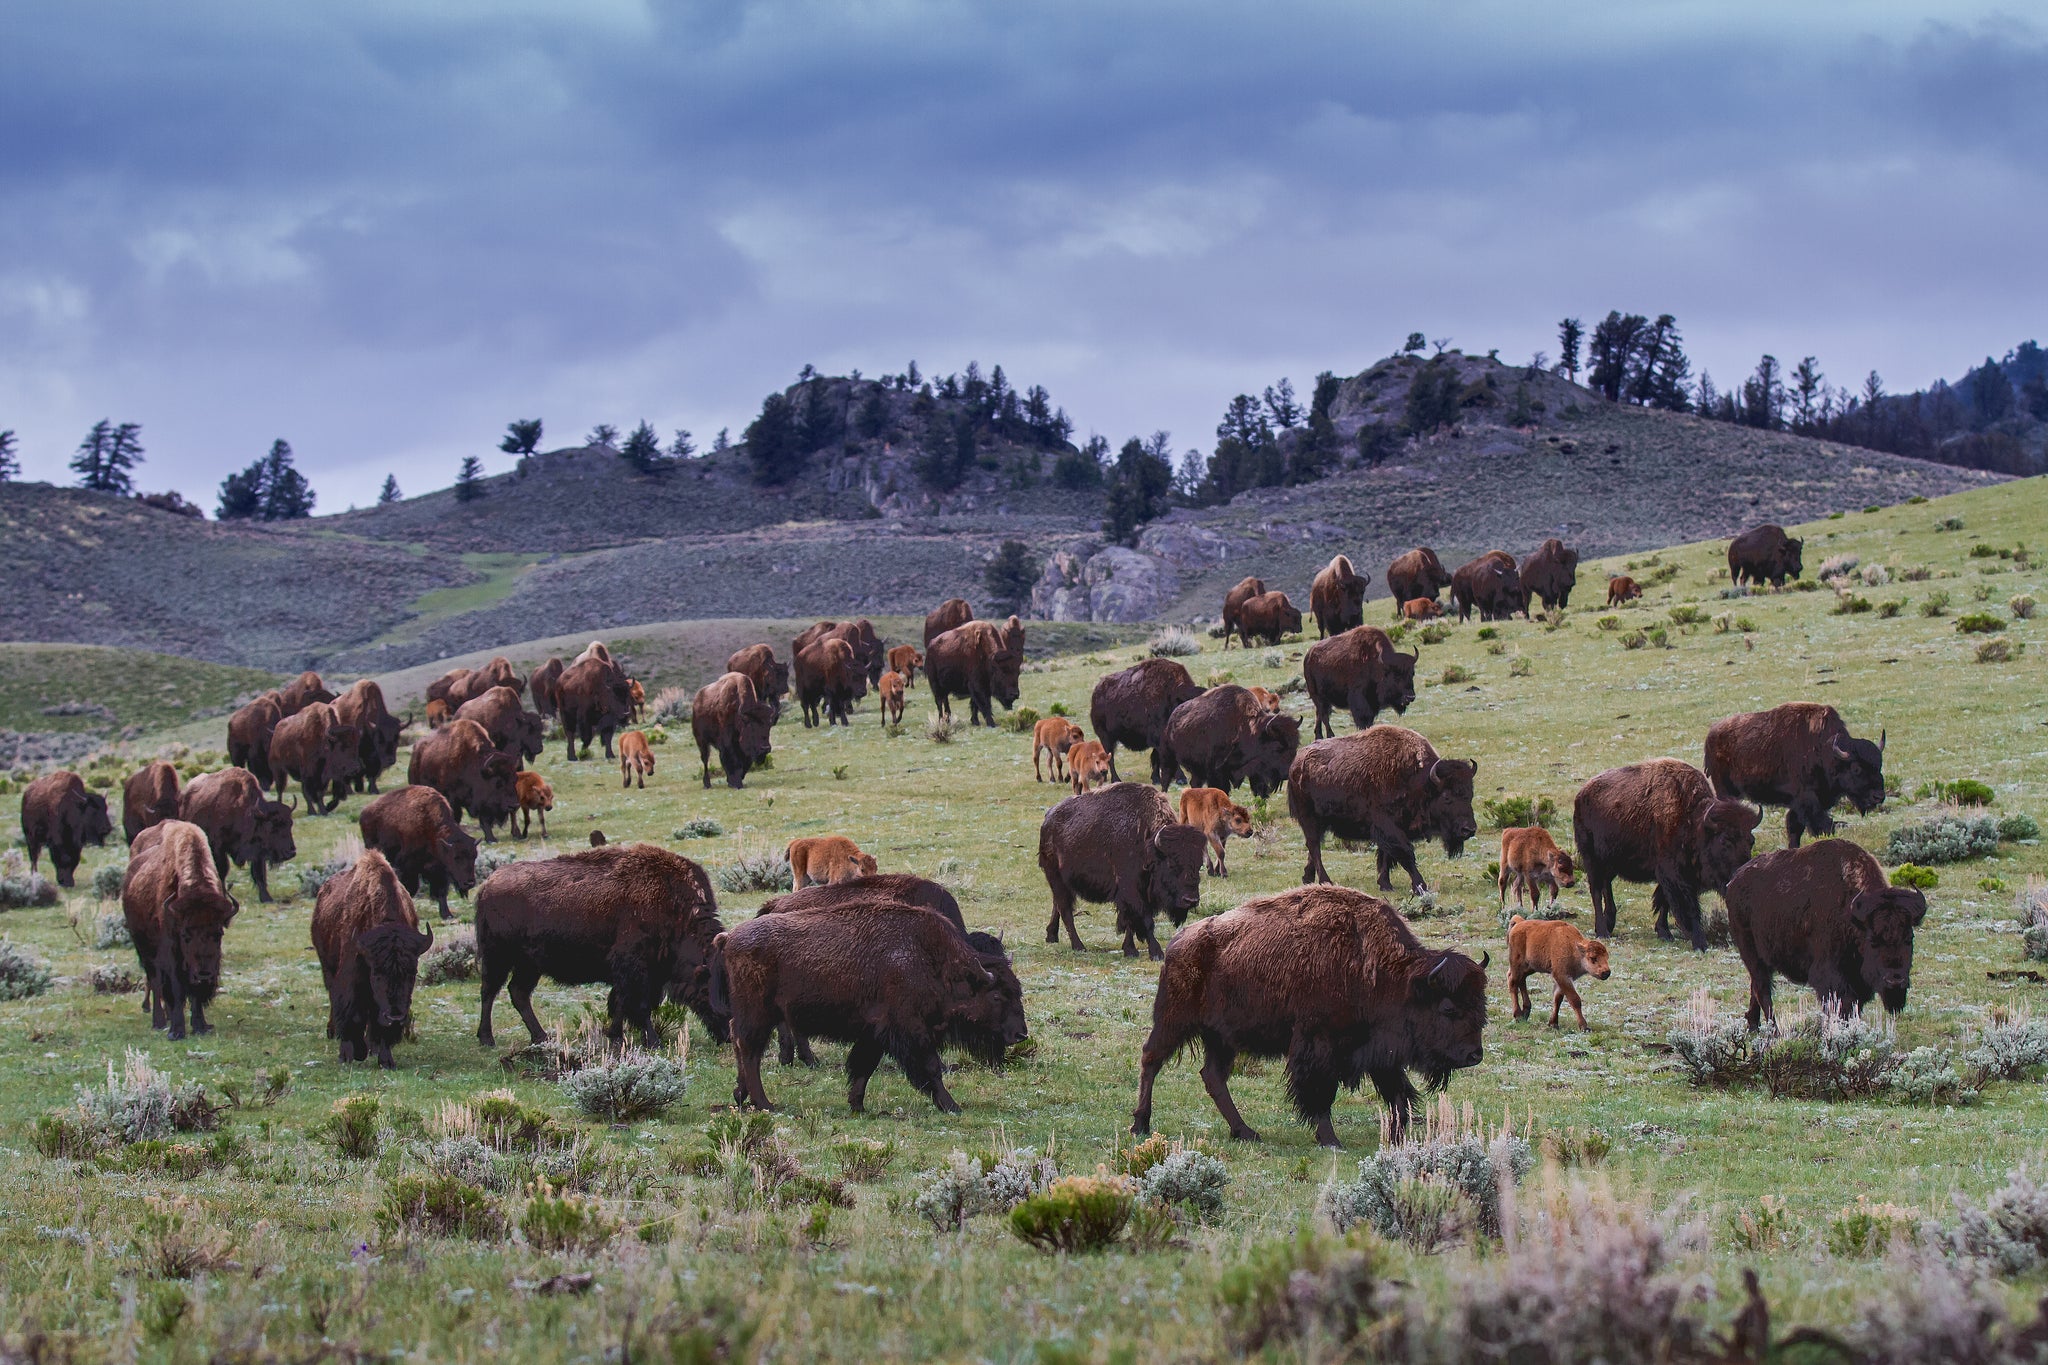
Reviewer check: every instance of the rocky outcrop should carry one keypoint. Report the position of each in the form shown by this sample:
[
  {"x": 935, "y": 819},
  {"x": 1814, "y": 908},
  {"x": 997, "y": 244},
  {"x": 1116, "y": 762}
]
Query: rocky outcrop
[{"x": 1107, "y": 584}]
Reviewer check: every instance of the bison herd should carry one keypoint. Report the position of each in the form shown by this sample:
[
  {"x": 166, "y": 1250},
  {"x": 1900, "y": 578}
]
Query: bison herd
[{"x": 1330, "y": 979}]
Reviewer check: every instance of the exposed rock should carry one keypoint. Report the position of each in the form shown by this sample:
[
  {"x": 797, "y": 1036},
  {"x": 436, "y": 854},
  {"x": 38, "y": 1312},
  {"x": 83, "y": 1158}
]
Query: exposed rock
[
  {"x": 1190, "y": 548},
  {"x": 1111, "y": 584}
]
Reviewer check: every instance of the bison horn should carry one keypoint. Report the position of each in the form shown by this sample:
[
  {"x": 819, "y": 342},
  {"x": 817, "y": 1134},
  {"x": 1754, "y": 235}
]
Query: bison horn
[
  {"x": 1880, "y": 741},
  {"x": 294, "y": 806},
  {"x": 1484, "y": 959},
  {"x": 1415, "y": 654},
  {"x": 427, "y": 938}
]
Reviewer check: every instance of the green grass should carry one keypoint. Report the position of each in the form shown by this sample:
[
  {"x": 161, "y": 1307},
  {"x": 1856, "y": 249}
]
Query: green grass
[
  {"x": 872, "y": 1281},
  {"x": 497, "y": 576},
  {"x": 153, "y": 691}
]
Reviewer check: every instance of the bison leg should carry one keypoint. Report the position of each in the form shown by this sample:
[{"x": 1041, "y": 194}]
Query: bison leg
[
  {"x": 609, "y": 755},
  {"x": 747, "y": 1062},
  {"x": 259, "y": 873},
  {"x": 1519, "y": 1001},
  {"x": 524, "y": 979},
  {"x": 495, "y": 974},
  {"x": 1062, "y": 913},
  {"x": 1216, "y": 1063},
  {"x": 792, "y": 1047},
  {"x": 1398, "y": 1093},
  {"x": 861, "y": 1060},
  {"x": 704, "y": 757},
  {"x": 1566, "y": 991},
  {"x": 1110, "y": 748},
  {"x": 1600, "y": 890},
  {"x": 1684, "y": 904},
  {"x": 1312, "y": 835},
  {"x": 919, "y": 1059},
  {"x": 1160, "y": 1046},
  {"x": 1760, "y": 997}
]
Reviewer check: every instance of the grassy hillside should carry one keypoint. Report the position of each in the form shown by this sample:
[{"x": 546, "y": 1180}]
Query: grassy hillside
[{"x": 1541, "y": 709}]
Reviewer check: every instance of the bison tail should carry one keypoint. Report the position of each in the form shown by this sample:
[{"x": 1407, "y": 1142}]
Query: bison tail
[{"x": 721, "y": 987}]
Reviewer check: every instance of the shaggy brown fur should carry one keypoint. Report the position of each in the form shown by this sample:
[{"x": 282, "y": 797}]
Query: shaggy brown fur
[
  {"x": 980, "y": 661},
  {"x": 515, "y": 732},
  {"x": 1621, "y": 588},
  {"x": 149, "y": 797},
  {"x": 1800, "y": 756},
  {"x": 242, "y": 825},
  {"x": 1659, "y": 822},
  {"x": 636, "y": 759},
  {"x": 1359, "y": 672},
  {"x": 1387, "y": 785},
  {"x": 324, "y": 755},
  {"x": 1531, "y": 860},
  {"x": 1227, "y": 736},
  {"x": 1233, "y": 605},
  {"x": 536, "y": 795},
  {"x": 1088, "y": 766},
  {"x": 1121, "y": 846},
  {"x": 1824, "y": 916},
  {"x": 460, "y": 762},
  {"x": 1552, "y": 946},
  {"x": 730, "y": 715},
  {"x": 948, "y": 615},
  {"x": 1052, "y": 738},
  {"x": 1267, "y": 617},
  {"x": 177, "y": 912},
  {"x": 362, "y": 706},
  {"x": 415, "y": 828},
  {"x": 826, "y": 860},
  {"x": 60, "y": 814},
  {"x": 1418, "y": 573},
  {"x": 829, "y": 680},
  {"x": 906, "y": 660},
  {"x": 1337, "y": 597},
  {"x": 1132, "y": 707},
  {"x": 369, "y": 943},
  {"x": 1217, "y": 816},
  {"x": 891, "y": 689}
]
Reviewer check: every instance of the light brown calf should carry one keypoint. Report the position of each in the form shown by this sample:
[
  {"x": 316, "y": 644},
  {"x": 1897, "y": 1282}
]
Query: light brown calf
[
  {"x": 437, "y": 713},
  {"x": 1266, "y": 698},
  {"x": 1087, "y": 765},
  {"x": 1537, "y": 945},
  {"x": 890, "y": 689},
  {"x": 639, "y": 696},
  {"x": 827, "y": 859},
  {"x": 1052, "y": 737},
  {"x": 1421, "y": 609},
  {"x": 906, "y": 660},
  {"x": 1211, "y": 811},
  {"x": 534, "y": 795},
  {"x": 1622, "y": 589},
  {"x": 636, "y": 759},
  {"x": 1531, "y": 860}
]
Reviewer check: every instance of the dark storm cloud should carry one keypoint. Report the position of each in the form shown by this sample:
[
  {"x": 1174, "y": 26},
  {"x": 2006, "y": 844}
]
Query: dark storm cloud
[{"x": 383, "y": 229}]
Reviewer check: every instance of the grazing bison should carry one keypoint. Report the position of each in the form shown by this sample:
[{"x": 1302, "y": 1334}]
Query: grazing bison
[
  {"x": 980, "y": 661},
  {"x": 1218, "y": 817},
  {"x": 636, "y": 759},
  {"x": 460, "y": 762},
  {"x": 1621, "y": 588},
  {"x": 60, "y": 814},
  {"x": 1765, "y": 555},
  {"x": 635, "y": 916},
  {"x": 829, "y": 680},
  {"x": 891, "y": 689},
  {"x": 1421, "y": 609},
  {"x": 1227, "y": 736},
  {"x": 1800, "y": 756},
  {"x": 417, "y": 831},
  {"x": 1132, "y": 707},
  {"x": 1087, "y": 766},
  {"x": 302, "y": 692},
  {"x": 729, "y": 715},
  {"x": 1555, "y": 947},
  {"x": 369, "y": 943},
  {"x": 469, "y": 684},
  {"x": 536, "y": 794},
  {"x": 323, "y": 754},
  {"x": 888, "y": 978},
  {"x": 177, "y": 913},
  {"x": 242, "y": 825},
  {"x": 515, "y": 732},
  {"x": 1329, "y": 978},
  {"x": 1492, "y": 584},
  {"x": 249, "y": 732},
  {"x": 1385, "y": 784},
  {"x": 950, "y": 614},
  {"x": 543, "y": 686},
  {"x": 1659, "y": 822},
  {"x": 860, "y": 637},
  {"x": 1823, "y": 916},
  {"x": 826, "y": 860},
  {"x": 1419, "y": 573},
  {"x": 1361, "y": 672},
  {"x": 1337, "y": 597},
  {"x": 770, "y": 675},
  {"x": 1122, "y": 846},
  {"x": 149, "y": 797},
  {"x": 1052, "y": 738},
  {"x": 1529, "y": 861},
  {"x": 905, "y": 659},
  {"x": 363, "y": 707},
  {"x": 593, "y": 698},
  {"x": 1233, "y": 606},
  {"x": 1550, "y": 573},
  {"x": 1268, "y": 617}
]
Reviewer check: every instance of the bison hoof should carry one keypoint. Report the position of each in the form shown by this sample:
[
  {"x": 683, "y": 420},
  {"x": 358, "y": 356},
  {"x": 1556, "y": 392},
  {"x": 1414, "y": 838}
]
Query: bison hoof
[
  {"x": 486, "y": 1040},
  {"x": 1244, "y": 1134}
]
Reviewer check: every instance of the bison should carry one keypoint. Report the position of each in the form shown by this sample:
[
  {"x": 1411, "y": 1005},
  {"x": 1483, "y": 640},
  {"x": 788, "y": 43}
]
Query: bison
[
  {"x": 1529, "y": 861},
  {"x": 593, "y": 698},
  {"x": 242, "y": 825},
  {"x": 635, "y": 916},
  {"x": 1550, "y": 573},
  {"x": 1385, "y": 784},
  {"x": 1132, "y": 707},
  {"x": 729, "y": 715},
  {"x": 416, "y": 829},
  {"x": 1120, "y": 845},
  {"x": 469, "y": 684},
  {"x": 829, "y": 680},
  {"x": 1492, "y": 584},
  {"x": 1659, "y": 822},
  {"x": 149, "y": 797},
  {"x": 460, "y": 762},
  {"x": 249, "y": 732},
  {"x": 1621, "y": 588},
  {"x": 60, "y": 814},
  {"x": 363, "y": 707},
  {"x": 890, "y": 691},
  {"x": 905, "y": 659},
  {"x": 1268, "y": 616},
  {"x": 1800, "y": 756},
  {"x": 1051, "y": 738},
  {"x": 536, "y": 796},
  {"x": 1420, "y": 609},
  {"x": 1419, "y": 573},
  {"x": 980, "y": 661},
  {"x": 543, "y": 685},
  {"x": 314, "y": 747},
  {"x": 1361, "y": 672},
  {"x": 1087, "y": 766},
  {"x": 302, "y": 692},
  {"x": 826, "y": 860},
  {"x": 515, "y": 732},
  {"x": 1765, "y": 555},
  {"x": 438, "y": 689},
  {"x": 1337, "y": 597},
  {"x": 1329, "y": 978},
  {"x": 1218, "y": 817},
  {"x": 1227, "y": 736},
  {"x": 1823, "y": 916},
  {"x": 636, "y": 759},
  {"x": 1555, "y": 947},
  {"x": 369, "y": 943},
  {"x": 770, "y": 676},
  {"x": 860, "y": 635},
  {"x": 1233, "y": 604},
  {"x": 177, "y": 913},
  {"x": 950, "y": 614}
]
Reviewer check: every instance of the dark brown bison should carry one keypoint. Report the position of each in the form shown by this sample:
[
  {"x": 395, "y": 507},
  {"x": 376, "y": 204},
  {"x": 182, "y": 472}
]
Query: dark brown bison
[
  {"x": 1550, "y": 573},
  {"x": 1419, "y": 573},
  {"x": 950, "y": 614},
  {"x": 369, "y": 943},
  {"x": 1824, "y": 917},
  {"x": 475, "y": 682},
  {"x": 362, "y": 706},
  {"x": 149, "y": 797},
  {"x": 417, "y": 831},
  {"x": 770, "y": 675},
  {"x": 1329, "y": 978},
  {"x": 1385, "y": 784},
  {"x": 177, "y": 913},
  {"x": 1801, "y": 756},
  {"x": 249, "y": 732},
  {"x": 1233, "y": 604},
  {"x": 516, "y": 732},
  {"x": 1132, "y": 707},
  {"x": 1120, "y": 845},
  {"x": 542, "y": 686},
  {"x": 460, "y": 762},
  {"x": 60, "y": 814},
  {"x": 728, "y": 715},
  {"x": 867, "y": 646},
  {"x": 320, "y": 752},
  {"x": 829, "y": 680},
  {"x": 1361, "y": 672},
  {"x": 1227, "y": 736},
  {"x": 635, "y": 916},
  {"x": 438, "y": 689},
  {"x": 1659, "y": 822},
  {"x": 980, "y": 661},
  {"x": 593, "y": 697},
  {"x": 1765, "y": 555},
  {"x": 1492, "y": 584},
  {"x": 1337, "y": 597},
  {"x": 1267, "y": 617},
  {"x": 887, "y": 978},
  {"x": 243, "y": 827},
  {"x": 302, "y": 692}
]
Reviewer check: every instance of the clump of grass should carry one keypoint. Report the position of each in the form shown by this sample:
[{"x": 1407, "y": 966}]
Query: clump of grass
[
  {"x": 1218, "y": 677},
  {"x": 1875, "y": 575},
  {"x": 939, "y": 729},
  {"x": 1310, "y": 1287},
  {"x": 441, "y": 1206},
  {"x": 352, "y": 1124},
  {"x": 2033, "y": 917},
  {"x": 137, "y": 1104},
  {"x": 864, "y": 1159},
  {"x": 1763, "y": 1227},
  {"x": 626, "y": 1088},
  {"x": 1435, "y": 633},
  {"x": 1569, "y": 1147},
  {"x": 1520, "y": 667},
  {"x": 1979, "y": 623},
  {"x": 1849, "y": 604},
  {"x": 1949, "y": 524},
  {"x": 22, "y": 973},
  {"x": 1456, "y": 673},
  {"x": 1021, "y": 721},
  {"x": 1174, "y": 642},
  {"x": 1889, "y": 609},
  {"x": 179, "y": 1239},
  {"x": 765, "y": 870},
  {"x": 1686, "y": 615},
  {"x": 1058, "y": 708},
  {"x": 1935, "y": 603},
  {"x": 1635, "y": 639},
  {"x": 2018, "y": 827},
  {"x": 1453, "y": 1150},
  {"x": 1837, "y": 566},
  {"x": 1079, "y": 1213},
  {"x": 1999, "y": 651},
  {"x": 703, "y": 827},
  {"x": 1963, "y": 791},
  {"x": 1866, "y": 1229},
  {"x": 555, "y": 1222},
  {"x": 1944, "y": 839},
  {"x": 1915, "y": 876},
  {"x": 1497, "y": 648},
  {"x": 1272, "y": 658},
  {"x": 1488, "y": 633},
  {"x": 1518, "y": 812},
  {"x": 452, "y": 958}
]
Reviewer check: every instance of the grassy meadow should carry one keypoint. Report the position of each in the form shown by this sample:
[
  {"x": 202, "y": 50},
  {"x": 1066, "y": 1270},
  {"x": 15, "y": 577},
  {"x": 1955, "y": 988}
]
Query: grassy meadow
[{"x": 716, "y": 1272}]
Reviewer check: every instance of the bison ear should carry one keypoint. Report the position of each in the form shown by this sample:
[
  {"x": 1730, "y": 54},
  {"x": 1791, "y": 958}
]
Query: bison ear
[{"x": 1865, "y": 905}]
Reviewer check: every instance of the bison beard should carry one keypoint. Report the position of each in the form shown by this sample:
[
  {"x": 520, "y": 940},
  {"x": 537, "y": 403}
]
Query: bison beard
[{"x": 1329, "y": 978}]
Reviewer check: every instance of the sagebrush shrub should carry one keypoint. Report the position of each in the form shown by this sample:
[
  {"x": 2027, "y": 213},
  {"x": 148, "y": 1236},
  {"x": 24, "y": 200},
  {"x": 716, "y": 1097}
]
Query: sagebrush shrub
[
  {"x": 1935, "y": 603},
  {"x": 111, "y": 978},
  {"x": 106, "y": 882},
  {"x": 1079, "y": 1213},
  {"x": 1311, "y": 1288},
  {"x": 2018, "y": 826},
  {"x": 703, "y": 827},
  {"x": 1999, "y": 651},
  {"x": 21, "y": 889},
  {"x": 2033, "y": 916},
  {"x": 1867, "y": 1229},
  {"x": 352, "y": 1123},
  {"x": 2007, "y": 1049},
  {"x": 1458, "y": 1153},
  {"x": 110, "y": 931},
  {"x": 22, "y": 973},
  {"x": 137, "y": 1104},
  {"x": 1174, "y": 642},
  {"x": 1944, "y": 839},
  {"x": 2022, "y": 607},
  {"x": 767, "y": 870},
  {"x": 1979, "y": 623},
  {"x": 2008, "y": 1232},
  {"x": 626, "y": 1088},
  {"x": 452, "y": 958},
  {"x": 1188, "y": 1178},
  {"x": 442, "y": 1206}
]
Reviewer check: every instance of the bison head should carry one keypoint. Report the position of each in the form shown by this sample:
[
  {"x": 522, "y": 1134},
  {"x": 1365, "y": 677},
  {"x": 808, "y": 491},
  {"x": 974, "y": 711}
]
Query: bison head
[
  {"x": 1397, "y": 684},
  {"x": 1882, "y": 922},
  {"x": 1173, "y": 872},
  {"x": 1447, "y": 1015},
  {"x": 393, "y": 954},
  {"x": 1856, "y": 770},
  {"x": 690, "y": 979},
  {"x": 1239, "y": 820},
  {"x": 497, "y": 786},
  {"x": 271, "y": 838},
  {"x": 1593, "y": 957},
  {"x": 343, "y": 753},
  {"x": 529, "y": 733},
  {"x": 197, "y": 920},
  {"x": 97, "y": 824},
  {"x": 1727, "y": 840},
  {"x": 985, "y": 1005},
  {"x": 756, "y": 724},
  {"x": 1004, "y": 668},
  {"x": 455, "y": 853},
  {"x": 1795, "y": 560},
  {"x": 1268, "y": 752},
  {"x": 1447, "y": 803}
]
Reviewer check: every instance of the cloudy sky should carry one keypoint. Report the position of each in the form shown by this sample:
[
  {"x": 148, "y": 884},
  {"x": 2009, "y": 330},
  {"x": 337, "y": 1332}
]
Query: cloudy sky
[{"x": 382, "y": 228}]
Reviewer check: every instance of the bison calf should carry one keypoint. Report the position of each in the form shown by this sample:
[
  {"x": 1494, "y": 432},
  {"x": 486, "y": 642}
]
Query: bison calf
[
  {"x": 1823, "y": 916},
  {"x": 905, "y": 659},
  {"x": 369, "y": 943},
  {"x": 1622, "y": 589},
  {"x": 1530, "y": 859},
  {"x": 636, "y": 759},
  {"x": 1052, "y": 738},
  {"x": 1421, "y": 609},
  {"x": 1088, "y": 766},
  {"x": 177, "y": 914},
  {"x": 1218, "y": 817},
  {"x": 826, "y": 860},
  {"x": 536, "y": 794},
  {"x": 1552, "y": 946},
  {"x": 1120, "y": 845},
  {"x": 890, "y": 689}
]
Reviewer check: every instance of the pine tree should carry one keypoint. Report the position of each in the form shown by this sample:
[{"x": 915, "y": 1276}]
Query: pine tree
[
  {"x": 1807, "y": 383},
  {"x": 1138, "y": 488},
  {"x": 774, "y": 445},
  {"x": 823, "y": 423},
  {"x": 1614, "y": 357},
  {"x": 1435, "y": 398},
  {"x": 241, "y": 495},
  {"x": 1316, "y": 452},
  {"x": 469, "y": 479},
  {"x": 1281, "y": 405},
  {"x": 1415, "y": 342},
  {"x": 603, "y": 434},
  {"x": 1075, "y": 470},
  {"x": 643, "y": 450},
  {"x": 722, "y": 442},
  {"x": 522, "y": 437},
  {"x": 873, "y": 418},
  {"x": 389, "y": 492},
  {"x": 1010, "y": 577},
  {"x": 10, "y": 463},
  {"x": 1570, "y": 333},
  {"x": 684, "y": 446},
  {"x": 107, "y": 457},
  {"x": 286, "y": 494},
  {"x": 1763, "y": 395}
]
